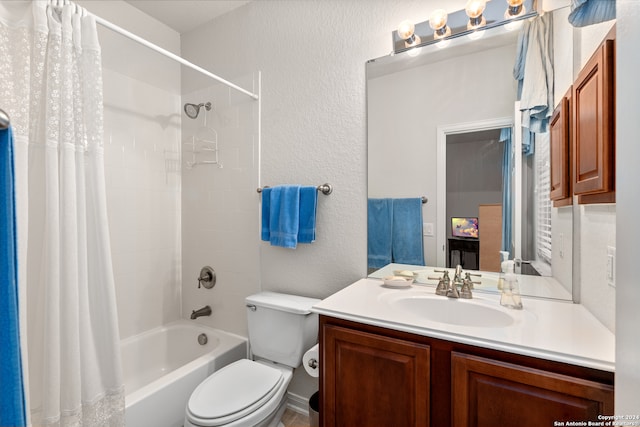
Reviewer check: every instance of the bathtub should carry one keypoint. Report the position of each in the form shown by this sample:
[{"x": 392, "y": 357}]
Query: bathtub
[{"x": 163, "y": 366}]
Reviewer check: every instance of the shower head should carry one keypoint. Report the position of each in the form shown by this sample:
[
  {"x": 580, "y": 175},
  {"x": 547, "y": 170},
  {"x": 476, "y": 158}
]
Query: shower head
[{"x": 192, "y": 110}]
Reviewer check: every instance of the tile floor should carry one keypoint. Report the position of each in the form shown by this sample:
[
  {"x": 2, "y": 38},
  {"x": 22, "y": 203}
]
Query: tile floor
[{"x": 294, "y": 419}]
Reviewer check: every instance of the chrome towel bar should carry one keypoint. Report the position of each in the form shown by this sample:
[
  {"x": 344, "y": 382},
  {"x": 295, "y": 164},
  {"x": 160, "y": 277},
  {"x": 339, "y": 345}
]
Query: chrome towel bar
[
  {"x": 325, "y": 188},
  {"x": 4, "y": 119}
]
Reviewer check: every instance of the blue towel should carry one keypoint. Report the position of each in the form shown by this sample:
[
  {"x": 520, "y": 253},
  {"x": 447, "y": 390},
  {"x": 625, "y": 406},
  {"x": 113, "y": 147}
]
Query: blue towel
[
  {"x": 284, "y": 216},
  {"x": 407, "y": 247},
  {"x": 589, "y": 12},
  {"x": 266, "y": 213},
  {"x": 379, "y": 217},
  {"x": 12, "y": 406},
  {"x": 308, "y": 205}
]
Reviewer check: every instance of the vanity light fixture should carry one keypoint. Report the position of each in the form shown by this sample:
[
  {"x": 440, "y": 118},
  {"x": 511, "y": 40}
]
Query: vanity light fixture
[
  {"x": 414, "y": 52},
  {"x": 406, "y": 31},
  {"x": 472, "y": 22},
  {"x": 475, "y": 35},
  {"x": 516, "y": 8},
  {"x": 438, "y": 23},
  {"x": 474, "y": 10}
]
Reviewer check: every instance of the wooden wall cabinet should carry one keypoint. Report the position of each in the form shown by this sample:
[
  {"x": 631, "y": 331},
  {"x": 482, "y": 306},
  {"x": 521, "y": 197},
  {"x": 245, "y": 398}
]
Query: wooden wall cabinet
[
  {"x": 593, "y": 127},
  {"x": 560, "y": 153},
  {"x": 373, "y": 376}
]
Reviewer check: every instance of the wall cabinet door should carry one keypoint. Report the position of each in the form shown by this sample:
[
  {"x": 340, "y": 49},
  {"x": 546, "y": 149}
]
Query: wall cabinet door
[
  {"x": 373, "y": 380},
  {"x": 594, "y": 128},
  {"x": 490, "y": 218},
  {"x": 491, "y": 393},
  {"x": 560, "y": 153}
]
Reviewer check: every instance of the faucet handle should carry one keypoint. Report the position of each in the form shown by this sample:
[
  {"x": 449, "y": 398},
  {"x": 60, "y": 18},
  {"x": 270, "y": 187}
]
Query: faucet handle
[
  {"x": 467, "y": 278},
  {"x": 207, "y": 277},
  {"x": 465, "y": 291},
  {"x": 443, "y": 287}
]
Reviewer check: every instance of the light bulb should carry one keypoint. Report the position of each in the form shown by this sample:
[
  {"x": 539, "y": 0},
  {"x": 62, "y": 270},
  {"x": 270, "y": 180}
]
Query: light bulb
[
  {"x": 515, "y": 9},
  {"x": 406, "y": 29},
  {"x": 438, "y": 22},
  {"x": 475, "y": 8},
  {"x": 474, "y": 11},
  {"x": 413, "y": 41},
  {"x": 438, "y": 19}
]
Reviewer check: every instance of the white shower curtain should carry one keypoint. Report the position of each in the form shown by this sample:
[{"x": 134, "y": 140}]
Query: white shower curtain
[{"x": 51, "y": 86}]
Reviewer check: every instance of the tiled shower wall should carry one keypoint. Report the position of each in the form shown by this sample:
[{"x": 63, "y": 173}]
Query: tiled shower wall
[
  {"x": 220, "y": 205},
  {"x": 142, "y": 167}
]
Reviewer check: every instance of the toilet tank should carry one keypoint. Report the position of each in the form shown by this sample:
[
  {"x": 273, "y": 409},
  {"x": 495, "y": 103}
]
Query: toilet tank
[{"x": 281, "y": 326}]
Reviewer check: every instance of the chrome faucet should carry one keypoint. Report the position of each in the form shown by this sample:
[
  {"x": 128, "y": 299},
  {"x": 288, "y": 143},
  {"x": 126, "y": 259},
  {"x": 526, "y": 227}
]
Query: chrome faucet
[
  {"x": 204, "y": 311},
  {"x": 443, "y": 284},
  {"x": 449, "y": 288},
  {"x": 452, "y": 291},
  {"x": 465, "y": 291}
]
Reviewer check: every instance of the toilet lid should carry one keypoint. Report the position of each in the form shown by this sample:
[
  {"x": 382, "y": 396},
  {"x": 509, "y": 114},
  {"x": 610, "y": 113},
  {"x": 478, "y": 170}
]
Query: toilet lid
[{"x": 234, "y": 391}]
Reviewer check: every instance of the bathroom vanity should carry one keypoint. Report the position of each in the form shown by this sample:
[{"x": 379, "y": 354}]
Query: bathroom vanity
[{"x": 407, "y": 357}]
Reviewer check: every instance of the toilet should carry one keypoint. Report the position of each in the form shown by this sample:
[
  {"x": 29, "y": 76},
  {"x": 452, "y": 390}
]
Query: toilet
[{"x": 253, "y": 392}]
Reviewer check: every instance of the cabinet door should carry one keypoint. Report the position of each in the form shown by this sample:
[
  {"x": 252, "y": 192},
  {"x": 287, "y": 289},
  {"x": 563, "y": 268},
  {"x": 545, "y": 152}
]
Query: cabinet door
[
  {"x": 372, "y": 380},
  {"x": 560, "y": 144},
  {"x": 593, "y": 125},
  {"x": 490, "y": 219},
  {"x": 493, "y": 393}
]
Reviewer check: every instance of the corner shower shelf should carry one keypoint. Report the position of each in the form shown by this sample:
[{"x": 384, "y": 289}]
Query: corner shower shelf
[{"x": 204, "y": 151}]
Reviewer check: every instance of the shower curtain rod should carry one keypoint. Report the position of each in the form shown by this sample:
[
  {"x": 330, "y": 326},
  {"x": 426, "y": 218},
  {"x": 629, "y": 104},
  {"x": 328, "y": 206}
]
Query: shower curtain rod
[{"x": 120, "y": 30}]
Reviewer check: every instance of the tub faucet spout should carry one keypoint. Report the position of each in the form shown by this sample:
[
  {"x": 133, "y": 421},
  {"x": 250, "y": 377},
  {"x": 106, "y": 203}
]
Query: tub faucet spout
[{"x": 204, "y": 311}]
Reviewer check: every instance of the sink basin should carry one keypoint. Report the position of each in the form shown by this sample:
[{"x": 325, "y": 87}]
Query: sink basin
[{"x": 451, "y": 311}]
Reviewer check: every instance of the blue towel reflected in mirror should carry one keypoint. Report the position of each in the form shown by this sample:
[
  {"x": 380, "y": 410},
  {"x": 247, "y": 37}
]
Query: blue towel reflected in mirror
[{"x": 394, "y": 232}]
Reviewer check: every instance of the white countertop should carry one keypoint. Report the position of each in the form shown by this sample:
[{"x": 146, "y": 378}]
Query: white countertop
[{"x": 547, "y": 329}]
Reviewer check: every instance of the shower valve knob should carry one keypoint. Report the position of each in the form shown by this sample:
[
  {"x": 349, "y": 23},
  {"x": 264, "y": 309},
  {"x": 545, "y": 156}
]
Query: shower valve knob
[{"x": 207, "y": 277}]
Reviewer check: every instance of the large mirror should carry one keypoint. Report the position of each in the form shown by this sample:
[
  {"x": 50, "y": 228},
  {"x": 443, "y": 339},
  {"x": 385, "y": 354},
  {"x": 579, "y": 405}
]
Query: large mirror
[{"x": 439, "y": 123}]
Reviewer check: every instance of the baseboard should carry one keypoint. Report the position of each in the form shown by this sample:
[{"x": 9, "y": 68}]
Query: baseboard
[{"x": 298, "y": 403}]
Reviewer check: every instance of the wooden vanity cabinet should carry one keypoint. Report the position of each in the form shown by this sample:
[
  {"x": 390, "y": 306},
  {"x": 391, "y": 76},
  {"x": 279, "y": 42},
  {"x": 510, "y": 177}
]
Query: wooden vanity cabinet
[
  {"x": 560, "y": 153},
  {"x": 373, "y": 376},
  {"x": 490, "y": 392},
  {"x": 371, "y": 379},
  {"x": 593, "y": 126}
]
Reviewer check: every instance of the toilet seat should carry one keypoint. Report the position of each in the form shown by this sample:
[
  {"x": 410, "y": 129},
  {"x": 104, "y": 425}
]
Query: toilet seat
[{"x": 234, "y": 392}]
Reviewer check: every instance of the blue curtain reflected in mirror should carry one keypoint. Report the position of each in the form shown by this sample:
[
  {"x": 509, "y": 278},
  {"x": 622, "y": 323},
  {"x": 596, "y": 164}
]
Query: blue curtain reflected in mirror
[{"x": 507, "y": 194}]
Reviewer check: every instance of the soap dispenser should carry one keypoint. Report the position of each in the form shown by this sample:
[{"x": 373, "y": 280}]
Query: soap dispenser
[{"x": 510, "y": 296}]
